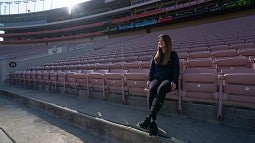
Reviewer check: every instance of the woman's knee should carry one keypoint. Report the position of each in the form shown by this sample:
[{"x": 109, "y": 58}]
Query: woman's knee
[
  {"x": 152, "y": 89},
  {"x": 153, "y": 86},
  {"x": 164, "y": 87}
]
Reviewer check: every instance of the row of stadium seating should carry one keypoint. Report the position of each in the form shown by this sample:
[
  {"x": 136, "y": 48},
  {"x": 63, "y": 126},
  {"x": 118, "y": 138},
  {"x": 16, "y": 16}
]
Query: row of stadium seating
[
  {"x": 200, "y": 83},
  {"x": 126, "y": 64},
  {"x": 240, "y": 49}
]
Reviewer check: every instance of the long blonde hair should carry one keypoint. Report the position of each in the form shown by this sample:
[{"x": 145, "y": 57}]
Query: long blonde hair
[{"x": 168, "y": 50}]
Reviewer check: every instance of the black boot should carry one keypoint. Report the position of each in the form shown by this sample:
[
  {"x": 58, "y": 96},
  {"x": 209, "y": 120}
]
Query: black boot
[
  {"x": 153, "y": 129},
  {"x": 145, "y": 124}
]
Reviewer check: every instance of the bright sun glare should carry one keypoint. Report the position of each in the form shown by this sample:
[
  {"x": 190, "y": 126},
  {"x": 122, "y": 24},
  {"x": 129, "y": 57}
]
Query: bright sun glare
[
  {"x": 64, "y": 3},
  {"x": 68, "y": 3}
]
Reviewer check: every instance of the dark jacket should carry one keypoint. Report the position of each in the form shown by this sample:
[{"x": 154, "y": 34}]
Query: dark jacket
[{"x": 165, "y": 72}]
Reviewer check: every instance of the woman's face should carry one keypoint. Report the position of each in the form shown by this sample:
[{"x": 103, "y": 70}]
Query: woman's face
[{"x": 161, "y": 43}]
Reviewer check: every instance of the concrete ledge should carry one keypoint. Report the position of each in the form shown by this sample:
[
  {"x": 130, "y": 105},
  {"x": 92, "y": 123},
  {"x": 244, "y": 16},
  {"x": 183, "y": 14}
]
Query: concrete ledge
[{"x": 101, "y": 126}]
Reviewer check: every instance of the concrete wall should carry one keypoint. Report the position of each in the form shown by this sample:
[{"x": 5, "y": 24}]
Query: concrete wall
[{"x": 24, "y": 64}]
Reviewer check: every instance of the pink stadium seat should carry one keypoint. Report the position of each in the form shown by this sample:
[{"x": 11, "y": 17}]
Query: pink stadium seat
[
  {"x": 139, "y": 54},
  {"x": 57, "y": 68},
  {"x": 119, "y": 59},
  {"x": 199, "y": 63},
  {"x": 146, "y": 65},
  {"x": 81, "y": 67},
  {"x": 72, "y": 68},
  {"x": 91, "y": 67},
  {"x": 144, "y": 58},
  {"x": 103, "y": 66},
  {"x": 87, "y": 71},
  {"x": 13, "y": 77},
  {"x": 46, "y": 67},
  {"x": 215, "y": 43},
  {"x": 118, "y": 71},
  {"x": 39, "y": 77},
  {"x": 101, "y": 71},
  {"x": 236, "y": 41},
  {"x": 231, "y": 62},
  {"x": 114, "y": 83},
  {"x": 120, "y": 65},
  {"x": 183, "y": 55},
  {"x": 53, "y": 79},
  {"x": 61, "y": 81},
  {"x": 196, "y": 49},
  {"x": 224, "y": 53},
  {"x": 198, "y": 45},
  {"x": 200, "y": 84},
  {"x": 182, "y": 64},
  {"x": 219, "y": 47},
  {"x": 20, "y": 77},
  {"x": 131, "y": 66},
  {"x": 243, "y": 46},
  {"x": 130, "y": 54},
  {"x": 62, "y": 68},
  {"x": 182, "y": 50},
  {"x": 146, "y": 71},
  {"x": 247, "y": 52},
  {"x": 130, "y": 59},
  {"x": 97, "y": 83},
  {"x": 199, "y": 54},
  {"x": 71, "y": 81},
  {"x": 45, "y": 79},
  {"x": 237, "y": 70},
  {"x": 82, "y": 80},
  {"x": 250, "y": 40},
  {"x": 239, "y": 86},
  {"x": 25, "y": 77},
  {"x": 135, "y": 83},
  {"x": 108, "y": 60},
  {"x": 33, "y": 78}
]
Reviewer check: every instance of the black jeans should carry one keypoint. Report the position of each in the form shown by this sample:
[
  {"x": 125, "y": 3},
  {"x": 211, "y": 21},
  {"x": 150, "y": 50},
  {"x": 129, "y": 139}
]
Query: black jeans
[{"x": 156, "y": 97}]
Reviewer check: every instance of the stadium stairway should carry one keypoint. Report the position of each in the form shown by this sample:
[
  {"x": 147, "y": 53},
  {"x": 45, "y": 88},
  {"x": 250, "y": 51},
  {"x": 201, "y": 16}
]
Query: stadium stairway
[{"x": 195, "y": 125}]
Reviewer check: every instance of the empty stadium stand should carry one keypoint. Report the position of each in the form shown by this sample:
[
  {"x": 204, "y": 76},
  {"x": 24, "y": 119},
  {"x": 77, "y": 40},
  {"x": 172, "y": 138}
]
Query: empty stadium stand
[{"x": 216, "y": 59}]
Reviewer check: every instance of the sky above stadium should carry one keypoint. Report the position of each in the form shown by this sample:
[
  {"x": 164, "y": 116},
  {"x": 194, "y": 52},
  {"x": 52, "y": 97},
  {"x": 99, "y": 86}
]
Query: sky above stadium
[{"x": 25, "y": 6}]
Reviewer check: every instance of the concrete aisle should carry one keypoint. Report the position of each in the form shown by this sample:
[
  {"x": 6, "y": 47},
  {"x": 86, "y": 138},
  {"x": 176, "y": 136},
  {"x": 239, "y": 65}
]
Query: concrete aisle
[{"x": 25, "y": 125}]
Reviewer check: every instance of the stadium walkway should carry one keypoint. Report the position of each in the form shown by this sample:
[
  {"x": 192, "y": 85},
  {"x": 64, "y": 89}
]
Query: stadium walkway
[
  {"x": 21, "y": 124},
  {"x": 178, "y": 127}
]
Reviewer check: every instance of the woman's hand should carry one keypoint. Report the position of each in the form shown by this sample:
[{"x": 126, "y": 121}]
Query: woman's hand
[
  {"x": 173, "y": 86},
  {"x": 148, "y": 83}
]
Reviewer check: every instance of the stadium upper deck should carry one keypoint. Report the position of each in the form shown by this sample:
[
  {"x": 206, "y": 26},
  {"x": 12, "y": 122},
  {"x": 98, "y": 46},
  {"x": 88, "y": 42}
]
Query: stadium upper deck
[{"x": 97, "y": 18}]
